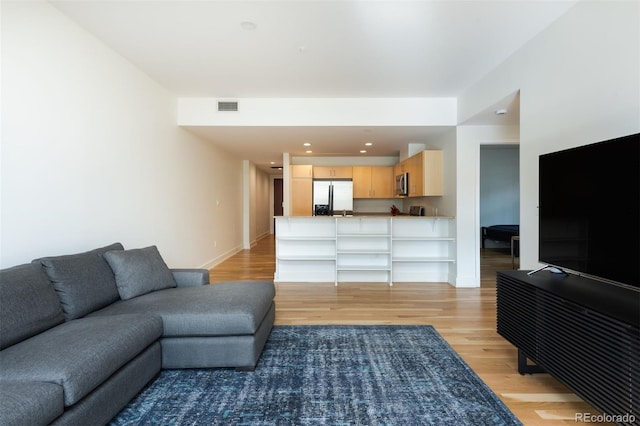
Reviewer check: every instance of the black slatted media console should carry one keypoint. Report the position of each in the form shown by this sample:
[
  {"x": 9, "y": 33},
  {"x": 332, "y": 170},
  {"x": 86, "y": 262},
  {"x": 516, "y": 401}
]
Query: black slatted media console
[{"x": 584, "y": 332}]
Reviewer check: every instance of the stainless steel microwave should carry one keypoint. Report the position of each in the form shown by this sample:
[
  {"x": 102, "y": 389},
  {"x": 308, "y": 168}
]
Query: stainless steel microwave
[{"x": 402, "y": 184}]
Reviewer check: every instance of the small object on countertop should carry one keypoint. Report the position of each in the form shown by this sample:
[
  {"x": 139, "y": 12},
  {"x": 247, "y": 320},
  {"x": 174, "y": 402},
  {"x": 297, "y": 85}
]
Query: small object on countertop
[{"x": 394, "y": 210}]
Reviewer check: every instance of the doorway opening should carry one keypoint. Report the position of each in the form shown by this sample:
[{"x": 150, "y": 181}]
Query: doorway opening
[
  {"x": 278, "y": 199},
  {"x": 499, "y": 209}
]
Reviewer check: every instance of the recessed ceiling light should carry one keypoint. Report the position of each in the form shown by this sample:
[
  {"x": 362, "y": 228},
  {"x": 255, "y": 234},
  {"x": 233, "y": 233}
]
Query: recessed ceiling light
[
  {"x": 307, "y": 144},
  {"x": 272, "y": 162},
  {"x": 368, "y": 144},
  {"x": 309, "y": 151},
  {"x": 501, "y": 111},
  {"x": 248, "y": 25},
  {"x": 363, "y": 151}
]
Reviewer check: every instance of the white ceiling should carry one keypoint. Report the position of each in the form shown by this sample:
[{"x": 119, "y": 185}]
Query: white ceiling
[{"x": 316, "y": 49}]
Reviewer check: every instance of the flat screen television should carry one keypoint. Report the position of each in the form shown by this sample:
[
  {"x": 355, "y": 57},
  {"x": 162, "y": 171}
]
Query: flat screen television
[{"x": 589, "y": 210}]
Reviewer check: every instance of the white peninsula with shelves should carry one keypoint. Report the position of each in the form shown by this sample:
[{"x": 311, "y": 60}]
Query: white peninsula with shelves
[{"x": 364, "y": 249}]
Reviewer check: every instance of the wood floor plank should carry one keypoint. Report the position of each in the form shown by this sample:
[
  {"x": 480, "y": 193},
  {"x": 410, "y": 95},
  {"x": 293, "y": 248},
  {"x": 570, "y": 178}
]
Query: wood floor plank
[{"x": 465, "y": 317}]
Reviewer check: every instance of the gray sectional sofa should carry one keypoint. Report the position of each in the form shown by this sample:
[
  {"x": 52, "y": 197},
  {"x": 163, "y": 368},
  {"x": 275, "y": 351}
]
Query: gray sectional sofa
[{"x": 82, "y": 334}]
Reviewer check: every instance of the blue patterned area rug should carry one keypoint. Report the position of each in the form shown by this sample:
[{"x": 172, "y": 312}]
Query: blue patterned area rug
[{"x": 328, "y": 375}]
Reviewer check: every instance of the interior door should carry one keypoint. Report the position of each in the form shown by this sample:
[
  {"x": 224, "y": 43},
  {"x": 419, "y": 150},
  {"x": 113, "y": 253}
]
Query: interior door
[{"x": 277, "y": 197}]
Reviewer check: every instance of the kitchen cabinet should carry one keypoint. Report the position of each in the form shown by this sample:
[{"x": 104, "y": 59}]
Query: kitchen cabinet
[
  {"x": 400, "y": 168},
  {"x": 301, "y": 190},
  {"x": 373, "y": 182},
  {"x": 301, "y": 171},
  {"x": 431, "y": 173},
  {"x": 416, "y": 171},
  {"x": 382, "y": 182},
  {"x": 425, "y": 173},
  {"x": 339, "y": 172}
]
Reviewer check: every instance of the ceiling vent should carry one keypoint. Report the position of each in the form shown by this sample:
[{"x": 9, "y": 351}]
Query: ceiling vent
[{"x": 227, "y": 106}]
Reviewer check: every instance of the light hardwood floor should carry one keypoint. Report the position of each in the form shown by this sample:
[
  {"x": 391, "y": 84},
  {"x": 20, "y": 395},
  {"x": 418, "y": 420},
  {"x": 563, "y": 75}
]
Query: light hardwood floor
[{"x": 466, "y": 318}]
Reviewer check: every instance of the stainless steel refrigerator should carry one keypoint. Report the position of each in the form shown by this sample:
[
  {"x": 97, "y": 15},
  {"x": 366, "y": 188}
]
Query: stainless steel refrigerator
[{"x": 332, "y": 197}]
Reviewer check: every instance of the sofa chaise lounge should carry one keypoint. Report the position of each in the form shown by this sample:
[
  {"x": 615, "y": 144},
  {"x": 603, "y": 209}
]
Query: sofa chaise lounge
[{"x": 82, "y": 334}]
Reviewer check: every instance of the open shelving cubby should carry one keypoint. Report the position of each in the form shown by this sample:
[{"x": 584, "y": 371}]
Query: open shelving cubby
[
  {"x": 305, "y": 250},
  {"x": 423, "y": 250},
  {"x": 364, "y": 250}
]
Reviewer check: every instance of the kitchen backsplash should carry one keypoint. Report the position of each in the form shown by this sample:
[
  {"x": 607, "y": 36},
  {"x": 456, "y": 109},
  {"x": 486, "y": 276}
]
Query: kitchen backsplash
[{"x": 381, "y": 205}]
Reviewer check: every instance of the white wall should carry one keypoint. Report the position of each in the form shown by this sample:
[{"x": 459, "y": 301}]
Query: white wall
[
  {"x": 91, "y": 153},
  {"x": 578, "y": 83}
]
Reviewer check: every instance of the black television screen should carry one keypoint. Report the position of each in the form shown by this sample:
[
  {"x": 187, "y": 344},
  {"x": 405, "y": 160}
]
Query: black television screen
[{"x": 589, "y": 210}]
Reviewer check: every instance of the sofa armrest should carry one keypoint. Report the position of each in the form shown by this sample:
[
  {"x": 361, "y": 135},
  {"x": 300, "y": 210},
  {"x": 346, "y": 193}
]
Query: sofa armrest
[{"x": 190, "y": 277}]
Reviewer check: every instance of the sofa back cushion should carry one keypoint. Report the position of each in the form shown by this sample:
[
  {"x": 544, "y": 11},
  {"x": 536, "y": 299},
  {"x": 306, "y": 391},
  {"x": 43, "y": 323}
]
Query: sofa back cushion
[
  {"x": 28, "y": 304},
  {"x": 84, "y": 282},
  {"x": 139, "y": 271}
]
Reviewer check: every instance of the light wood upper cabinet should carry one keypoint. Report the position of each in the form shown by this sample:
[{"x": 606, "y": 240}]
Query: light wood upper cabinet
[
  {"x": 339, "y": 172},
  {"x": 362, "y": 182},
  {"x": 301, "y": 190},
  {"x": 382, "y": 182},
  {"x": 432, "y": 172},
  {"x": 301, "y": 197},
  {"x": 425, "y": 173},
  {"x": 416, "y": 180},
  {"x": 301, "y": 171},
  {"x": 373, "y": 182},
  {"x": 400, "y": 168}
]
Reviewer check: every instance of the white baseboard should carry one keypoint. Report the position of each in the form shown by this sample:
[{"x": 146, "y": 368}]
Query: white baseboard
[
  {"x": 259, "y": 237},
  {"x": 224, "y": 256},
  {"x": 466, "y": 281}
]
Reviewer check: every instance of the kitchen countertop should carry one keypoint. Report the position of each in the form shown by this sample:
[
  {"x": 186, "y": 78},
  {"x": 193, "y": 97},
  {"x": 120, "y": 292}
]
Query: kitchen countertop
[
  {"x": 360, "y": 215},
  {"x": 401, "y": 215}
]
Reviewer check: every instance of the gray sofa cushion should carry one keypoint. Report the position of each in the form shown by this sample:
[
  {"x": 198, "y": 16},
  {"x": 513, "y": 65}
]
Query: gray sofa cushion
[
  {"x": 83, "y": 281},
  {"x": 29, "y": 403},
  {"x": 224, "y": 309},
  {"x": 28, "y": 304},
  {"x": 103, "y": 403},
  {"x": 80, "y": 355},
  {"x": 139, "y": 271},
  {"x": 190, "y": 277}
]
